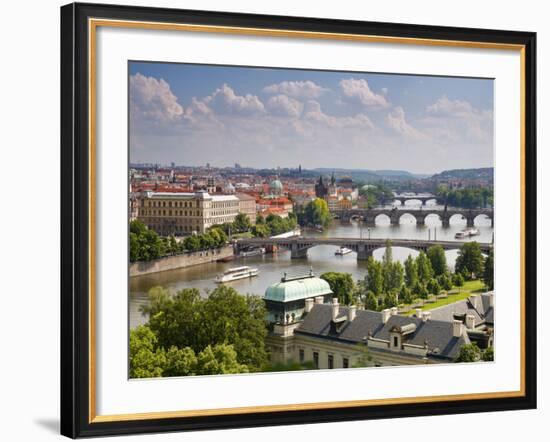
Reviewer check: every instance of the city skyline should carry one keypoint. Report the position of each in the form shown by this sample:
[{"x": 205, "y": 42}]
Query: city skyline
[{"x": 269, "y": 118}]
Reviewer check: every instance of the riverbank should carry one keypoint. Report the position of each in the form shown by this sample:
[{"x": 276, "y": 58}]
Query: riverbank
[{"x": 180, "y": 261}]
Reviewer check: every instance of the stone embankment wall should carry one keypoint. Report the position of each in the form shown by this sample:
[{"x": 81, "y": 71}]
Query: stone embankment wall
[{"x": 179, "y": 261}]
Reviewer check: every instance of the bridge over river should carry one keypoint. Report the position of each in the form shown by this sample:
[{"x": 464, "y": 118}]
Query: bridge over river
[
  {"x": 369, "y": 215},
  {"x": 364, "y": 248}
]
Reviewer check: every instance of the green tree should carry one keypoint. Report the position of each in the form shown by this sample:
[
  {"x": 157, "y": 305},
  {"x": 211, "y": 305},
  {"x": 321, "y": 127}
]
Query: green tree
[
  {"x": 261, "y": 231},
  {"x": 146, "y": 360},
  {"x": 180, "y": 362},
  {"x": 192, "y": 243},
  {"x": 470, "y": 260},
  {"x": 395, "y": 277},
  {"x": 488, "y": 271},
  {"x": 488, "y": 354},
  {"x": 391, "y": 300},
  {"x": 458, "y": 280},
  {"x": 342, "y": 285},
  {"x": 316, "y": 212},
  {"x": 437, "y": 258},
  {"x": 371, "y": 301},
  {"x": 420, "y": 290},
  {"x": 433, "y": 287},
  {"x": 219, "y": 359},
  {"x": 405, "y": 295},
  {"x": 224, "y": 317},
  {"x": 411, "y": 274},
  {"x": 445, "y": 281},
  {"x": 145, "y": 244},
  {"x": 469, "y": 353},
  {"x": 423, "y": 268},
  {"x": 375, "y": 280},
  {"x": 134, "y": 247},
  {"x": 241, "y": 223}
]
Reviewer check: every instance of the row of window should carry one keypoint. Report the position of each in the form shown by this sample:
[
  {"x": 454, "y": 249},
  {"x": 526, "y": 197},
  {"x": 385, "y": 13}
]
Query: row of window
[
  {"x": 330, "y": 359},
  {"x": 168, "y": 203},
  {"x": 169, "y": 212}
]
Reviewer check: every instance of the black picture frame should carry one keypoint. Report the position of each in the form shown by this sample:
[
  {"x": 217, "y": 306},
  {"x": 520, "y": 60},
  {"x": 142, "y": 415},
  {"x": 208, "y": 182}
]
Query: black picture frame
[{"x": 75, "y": 220}]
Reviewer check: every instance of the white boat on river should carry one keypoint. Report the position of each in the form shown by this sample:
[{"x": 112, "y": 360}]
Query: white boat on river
[{"x": 236, "y": 273}]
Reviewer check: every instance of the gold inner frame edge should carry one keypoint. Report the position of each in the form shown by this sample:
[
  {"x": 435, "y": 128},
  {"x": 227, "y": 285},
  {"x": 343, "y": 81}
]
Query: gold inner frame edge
[{"x": 93, "y": 24}]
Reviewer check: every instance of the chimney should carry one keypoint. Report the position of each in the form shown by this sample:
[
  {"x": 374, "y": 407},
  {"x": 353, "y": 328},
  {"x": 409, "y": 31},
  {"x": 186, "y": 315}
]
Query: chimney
[
  {"x": 385, "y": 315},
  {"x": 470, "y": 322},
  {"x": 309, "y": 304},
  {"x": 476, "y": 302},
  {"x": 491, "y": 299},
  {"x": 418, "y": 313},
  {"x": 457, "y": 328},
  {"x": 426, "y": 316},
  {"x": 352, "y": 311},
  {"x": 319, "y": 299},
  {"x": 393, "y": 311},
  {"x": 335, "y": 308}
]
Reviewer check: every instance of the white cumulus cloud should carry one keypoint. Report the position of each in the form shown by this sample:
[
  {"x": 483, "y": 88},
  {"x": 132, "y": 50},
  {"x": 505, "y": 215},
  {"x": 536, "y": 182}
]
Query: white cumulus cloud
[
  {"x": 297, "y": 89},
  {"x": 313, "y": 112},
  {"x": 396, "y": 121},
  {"x": 225, "y": 100},
  {"x": 152, "y": 99},
  {"x": 359, "y": 91},
  {"x": 284, "y": 106}
]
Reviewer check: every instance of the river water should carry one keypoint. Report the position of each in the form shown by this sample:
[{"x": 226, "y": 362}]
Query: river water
[{"x": 320, "y": 258}]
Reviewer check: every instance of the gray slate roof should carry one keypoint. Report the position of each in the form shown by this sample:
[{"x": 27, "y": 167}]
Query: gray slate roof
[
  {"x": 436, "y": 333},
  {"x": 482, "y": 316}
]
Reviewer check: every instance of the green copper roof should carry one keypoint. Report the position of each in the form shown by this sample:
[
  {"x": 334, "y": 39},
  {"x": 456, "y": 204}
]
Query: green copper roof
[{"x": 298, "y": 288}]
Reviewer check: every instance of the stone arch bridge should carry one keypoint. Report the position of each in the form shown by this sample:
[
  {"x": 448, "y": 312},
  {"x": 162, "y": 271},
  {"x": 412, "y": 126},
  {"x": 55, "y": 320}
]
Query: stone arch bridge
[
  {"x": 364, "y": 248},
  {"x": 369, "y": 215}
]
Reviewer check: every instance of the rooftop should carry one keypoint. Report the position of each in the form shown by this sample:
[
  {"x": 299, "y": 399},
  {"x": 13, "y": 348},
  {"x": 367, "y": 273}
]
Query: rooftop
[
  {"x": 437, "y": 334},
  {"x": 297, "y": 288}
]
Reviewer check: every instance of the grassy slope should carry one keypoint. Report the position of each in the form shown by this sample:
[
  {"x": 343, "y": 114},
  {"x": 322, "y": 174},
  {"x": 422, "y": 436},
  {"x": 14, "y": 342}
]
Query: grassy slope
[{"x": 466, "y": 290}]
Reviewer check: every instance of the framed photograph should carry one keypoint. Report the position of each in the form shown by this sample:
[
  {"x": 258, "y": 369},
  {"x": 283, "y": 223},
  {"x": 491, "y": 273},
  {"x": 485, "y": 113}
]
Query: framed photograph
[{"x": 274, "y": 220}]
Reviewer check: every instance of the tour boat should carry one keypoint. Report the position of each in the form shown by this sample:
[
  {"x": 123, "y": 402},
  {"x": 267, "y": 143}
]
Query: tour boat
[
  {"x": 253, "y": 252},
  {"x": 343, "y": 251},
  {"x": 467, "y": 233},
  {"x": 237, "y": 273}
]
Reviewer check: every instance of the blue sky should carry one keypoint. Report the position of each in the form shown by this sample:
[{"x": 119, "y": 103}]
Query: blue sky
[{"x": 193, "y": 114}]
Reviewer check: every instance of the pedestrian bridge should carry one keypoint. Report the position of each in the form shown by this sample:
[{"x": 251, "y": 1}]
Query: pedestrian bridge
[
  {"x": 369, "y": 216},
  {"x": 364, "y": 248},
  {"x": 423, "y": 198}
]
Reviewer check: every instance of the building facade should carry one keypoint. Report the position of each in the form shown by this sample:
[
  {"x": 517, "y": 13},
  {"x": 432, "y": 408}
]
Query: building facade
[
  {"x": 185, "y": 213},
  {"x": 247, "y": 205},
  {"x": 327, "y": 335}
]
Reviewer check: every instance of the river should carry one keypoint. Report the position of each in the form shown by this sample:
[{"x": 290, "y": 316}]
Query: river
[{"x": 320, "y": 258}]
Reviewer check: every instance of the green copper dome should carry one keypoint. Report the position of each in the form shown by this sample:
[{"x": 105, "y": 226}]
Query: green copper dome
[
  {"x": 293, "y": 289},
  {"x": 276, "y": 187}
]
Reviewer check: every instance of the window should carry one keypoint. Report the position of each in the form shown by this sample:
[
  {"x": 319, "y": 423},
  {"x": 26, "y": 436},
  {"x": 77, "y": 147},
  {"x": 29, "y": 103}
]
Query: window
[
  {"x": 330, "y": 361},
  {"x": 345, "y": 362},
  {"x": 395, "y": 341},
  {"x": 316, "y": 359},
  {"x": 302, "y": 355}
]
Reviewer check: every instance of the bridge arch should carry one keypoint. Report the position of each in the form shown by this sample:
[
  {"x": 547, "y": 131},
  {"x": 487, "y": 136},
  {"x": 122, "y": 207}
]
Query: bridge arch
[
  {"x": 405, "y": 214},
  {"x": 483, "y": 216},
  {"x": 434, "y": 215},
  {"x": 458, "y": 219},
  {"x": 383, "y": 215}
]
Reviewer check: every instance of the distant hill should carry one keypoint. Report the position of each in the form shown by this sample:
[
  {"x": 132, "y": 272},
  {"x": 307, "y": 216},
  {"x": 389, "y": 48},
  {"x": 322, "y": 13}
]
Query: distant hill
[
  {"x": 371, "y": 175},
  {"x": 484, "y": 173}
]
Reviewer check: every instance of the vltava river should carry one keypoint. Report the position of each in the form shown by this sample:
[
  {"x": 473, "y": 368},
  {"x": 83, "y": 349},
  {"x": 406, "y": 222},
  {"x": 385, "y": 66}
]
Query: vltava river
[{"x": 320, "y": 258}]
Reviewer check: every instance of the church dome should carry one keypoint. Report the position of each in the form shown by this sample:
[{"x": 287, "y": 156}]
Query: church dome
[
  {"x": 276, "y": 187},
  {"x": 229, "y": 188},
  {"x": 294, "y": 289}
]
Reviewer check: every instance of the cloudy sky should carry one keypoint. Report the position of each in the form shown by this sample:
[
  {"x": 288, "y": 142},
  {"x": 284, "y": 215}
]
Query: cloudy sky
[{"x": 194, "y": 114}]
